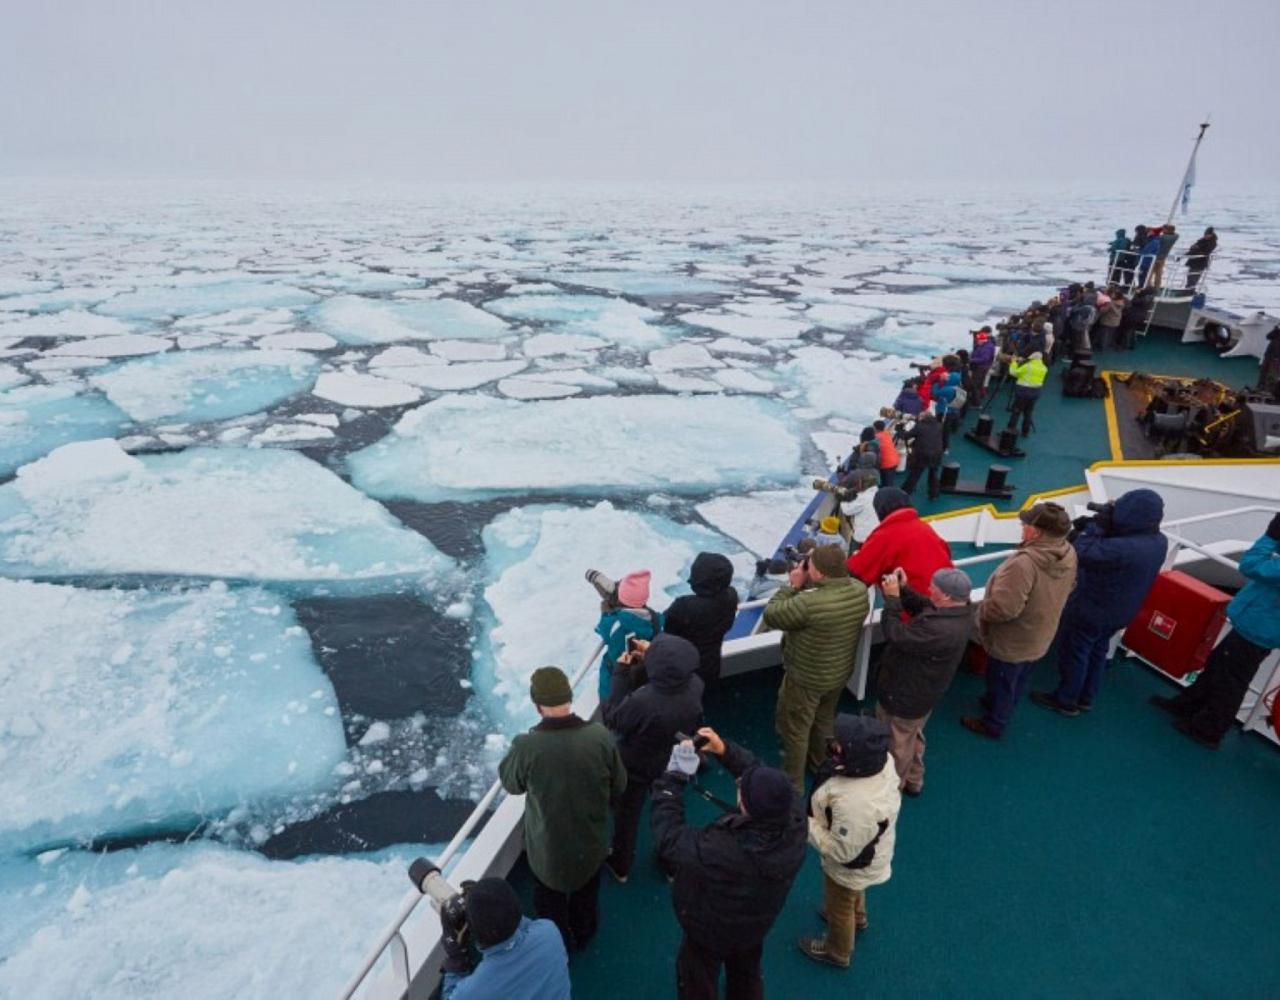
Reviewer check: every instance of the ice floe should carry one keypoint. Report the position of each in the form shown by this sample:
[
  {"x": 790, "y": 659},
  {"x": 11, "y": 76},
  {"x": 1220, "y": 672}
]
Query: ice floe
[
  {"x": 463, "y": 447},
  {"x": 457, "y": 377},
  {"x": 545, "y": 345},
  {"x": 757, "y": 520},
  {"x": 35, "y": 419},
  {"x": 194, "y": 386},
  {"x": 204, "y": 512},
  {"x": 350, "y": 388},
  {"x": 126, "y": 711},
  {"x": 853, "y": 385},
  {"x": 302, "y": 341},
  {"x": 541, "y": 607},
  {"x": 70, "y": 323},
  {"x": 124, "y": 346},
  {"x": 356, "y": 320},
  {"x": 613, "y": 320},
  {"x": 205, "y": 296}
]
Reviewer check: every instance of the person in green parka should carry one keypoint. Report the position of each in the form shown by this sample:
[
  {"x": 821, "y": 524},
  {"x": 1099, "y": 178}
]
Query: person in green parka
[{"x": 568, "y": 769}]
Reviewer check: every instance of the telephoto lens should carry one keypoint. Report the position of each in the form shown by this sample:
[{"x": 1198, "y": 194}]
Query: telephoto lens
[{"x": 605, "y": 587}]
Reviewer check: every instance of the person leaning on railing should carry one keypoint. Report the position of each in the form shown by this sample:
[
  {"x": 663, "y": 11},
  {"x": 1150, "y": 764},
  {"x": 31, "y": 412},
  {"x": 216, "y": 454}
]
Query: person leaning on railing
[{"x": 1205, "y": 710}]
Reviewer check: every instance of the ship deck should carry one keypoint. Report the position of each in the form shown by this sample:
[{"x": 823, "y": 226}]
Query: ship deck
[
  {"x": 1103, "y": 855},
  {"x": 1072, "y": 434}
]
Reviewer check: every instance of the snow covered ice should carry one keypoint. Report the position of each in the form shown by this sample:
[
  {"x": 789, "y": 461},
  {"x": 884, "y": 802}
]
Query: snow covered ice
[
  {"x": 35, "y": 419},
  {"x": 357, "y": 320},
  {"x": 125, "y": 711},
  {"x": 469, "y": 446},
  {"x": 204, "y": 512}
]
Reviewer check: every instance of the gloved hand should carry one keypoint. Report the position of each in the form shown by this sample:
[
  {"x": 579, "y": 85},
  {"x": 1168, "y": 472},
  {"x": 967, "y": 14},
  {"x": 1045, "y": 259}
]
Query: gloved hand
[
  {"x": 683, "y": 761},
  {"x": 453, "y": 938},
  {"x": 1273, "y": 529}
]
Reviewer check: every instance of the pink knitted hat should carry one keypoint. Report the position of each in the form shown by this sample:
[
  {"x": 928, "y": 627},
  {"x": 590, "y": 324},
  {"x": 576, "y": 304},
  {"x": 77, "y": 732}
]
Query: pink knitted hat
[{"x": 633, "y": 589}]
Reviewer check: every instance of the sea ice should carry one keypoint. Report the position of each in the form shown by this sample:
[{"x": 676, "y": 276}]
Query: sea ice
[
  {"x": 203, "y": 297},
  {"x": 35, "y": 419},
  {"x": 737, "y": 325},
  {"x": 842, "y": 315},
  {"x": 742, "y": 381},
  {"x": 292, "y": 434},
  {"x": 471, "y": 446},
  {"x": 126, "y": 711},
  {"x": 675, "y": 382},
  {"x": 853, "y": 385},
  {"x": 545, "y": 345},
  {"x": 196, "y": 921},
  {"x": 403, "y": 357},
  {"x": 682, "y": 356},
  {"x": 124, "y": 346},
  {"x": 204, "y": 512},
  {"x": 757, "y": 520},
  {"x": 613, "y": 320},
  {"x": 468, "y": 350},
  {"x": 302, "y": 341},
  {"x": 456, "y": 377},
  {"x": 349, "y": 388},
  {"x": 71, "y": 323},
  {"x": 525, "y": 388},
  {"x": 195, "y": 386},
  {"x": 356, "y": 320},
  {"x": 10, "y": 377},
  {"x": 642, "y": 283},
  {"x": 543, "y": 551}
]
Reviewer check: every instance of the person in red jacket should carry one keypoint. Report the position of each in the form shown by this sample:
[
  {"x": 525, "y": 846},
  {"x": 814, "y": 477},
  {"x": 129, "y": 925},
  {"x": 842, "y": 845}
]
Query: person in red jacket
[
  {"x": 901, "y": 539},
  {"x": 936, "y": 376}
]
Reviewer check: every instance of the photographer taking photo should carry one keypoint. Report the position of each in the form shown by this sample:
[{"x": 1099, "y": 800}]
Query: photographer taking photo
[
  {"x": 518, "y": 956},
  {"x": 1119, "y": 553}
]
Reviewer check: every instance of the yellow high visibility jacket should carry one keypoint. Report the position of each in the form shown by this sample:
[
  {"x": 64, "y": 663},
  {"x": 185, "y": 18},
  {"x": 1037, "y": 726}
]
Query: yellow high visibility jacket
[{"x": 1029, "y": 374}]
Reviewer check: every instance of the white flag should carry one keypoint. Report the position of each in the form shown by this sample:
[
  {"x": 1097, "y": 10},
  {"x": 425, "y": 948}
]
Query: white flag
[{"x": 1187, "y": 183}]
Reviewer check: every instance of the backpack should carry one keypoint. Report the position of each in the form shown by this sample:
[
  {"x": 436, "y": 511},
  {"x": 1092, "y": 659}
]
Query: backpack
[{"x": 958, "y": 400}]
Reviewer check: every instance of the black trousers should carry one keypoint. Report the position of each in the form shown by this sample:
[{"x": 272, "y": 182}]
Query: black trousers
[
  {"x": 915, "y": 468},
  {"x": 698, "y": 973},
  {"x": 1024, "y": 404},
  {"x": 1211, "y": 703},
  {"x": 626, "y": 823},
  {"x": 576, "y": 913}
]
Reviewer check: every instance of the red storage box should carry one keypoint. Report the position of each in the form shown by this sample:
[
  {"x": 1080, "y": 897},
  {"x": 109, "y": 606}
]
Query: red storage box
[{"x": 1178, "y": 624}]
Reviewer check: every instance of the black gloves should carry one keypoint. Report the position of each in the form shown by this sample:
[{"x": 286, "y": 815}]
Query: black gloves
[
  {"x": 1273, "y": 529},
  {"x": 453, "y": 938}
]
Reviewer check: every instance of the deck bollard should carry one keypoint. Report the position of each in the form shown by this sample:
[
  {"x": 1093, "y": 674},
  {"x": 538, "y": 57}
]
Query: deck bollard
[
  {"x": 950, "y": 475},
  {"x": 996, "y": 476}
]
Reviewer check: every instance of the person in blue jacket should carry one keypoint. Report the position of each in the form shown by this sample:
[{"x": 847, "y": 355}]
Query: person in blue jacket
[
  {"x": 1147, "y": 255},
  {"x": 1204, "y": 711},
  {"x": 519, "y": 957},
  {"x": 624, "y": 614},
  {"x": 1119, "y": 554}
]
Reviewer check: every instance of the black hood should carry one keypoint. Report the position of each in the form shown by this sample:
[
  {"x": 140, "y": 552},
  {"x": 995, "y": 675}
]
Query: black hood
[
  {"x": 1138, "y": 512},
  {"x": 670, "y": 662},
  {"x": 864, "y": 745},
  {"x": 711, "y": 574},
  {"x": 888, "y": 499}
]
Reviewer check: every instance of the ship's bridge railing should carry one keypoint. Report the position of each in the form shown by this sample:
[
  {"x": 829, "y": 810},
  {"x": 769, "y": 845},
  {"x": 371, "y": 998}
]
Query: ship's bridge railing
[
  {"x": 392, "y": 938},
  {"x": 1174, "y": 281}
]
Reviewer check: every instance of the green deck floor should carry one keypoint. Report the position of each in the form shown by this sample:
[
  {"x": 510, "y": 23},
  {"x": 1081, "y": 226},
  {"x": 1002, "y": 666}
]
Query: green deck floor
[
  {"x": 1104, "y": 856},
  {"x": 1071, "y": 434}
]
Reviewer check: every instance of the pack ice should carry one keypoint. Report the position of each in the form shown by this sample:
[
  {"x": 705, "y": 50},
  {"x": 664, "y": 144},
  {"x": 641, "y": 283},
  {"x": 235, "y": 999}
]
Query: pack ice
[
  {"x": 614, "y": 320},
  {"x": 204, "y": 295},
  {"x": 200, "y": 922},
  {"x": 126, "y": 710},
  {"x": 354, "y": 319},
  {"x": 195, "y": 386},
  {"x": 471, "y": 446},
  {"x": 542, "y": 608},
  {"x": 89, "y": 508},
  {"x": 35, "y": 419}
]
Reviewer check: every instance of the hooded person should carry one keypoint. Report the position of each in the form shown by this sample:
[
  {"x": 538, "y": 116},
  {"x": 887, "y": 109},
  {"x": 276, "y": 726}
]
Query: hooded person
[
  {"x": 645, "y": 718},
  {"x": 1117, "y": 257},
  {"x": 1198, "y": 255},
  {"x": 1120, "y": 552},
  {"x": 518, "y": 956},
  {"x": 624, "y": 614},
  {"x": 853, "y": 815},
  {"x": 981, "y": 358},
  {"x": 732, "y": 876},
  {"x": 900, "y": 539},
  {"x": 909, "y": 400},
  {"x": 1018, "y": 615},
  {"x": 860, "y": 509},
  {"x": 705, "y": 616}
]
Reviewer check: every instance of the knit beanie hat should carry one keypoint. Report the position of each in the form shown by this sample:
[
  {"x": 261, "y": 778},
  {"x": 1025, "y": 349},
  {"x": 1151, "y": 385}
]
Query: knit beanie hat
[
  {"x": 864, "y": 745},
  {"x": 633, "y": 589},
  {"x": 888, "y": 499},
  {"x": 829, "y": 525},
  {"x": 549, "y": 687},
  {"x": 955, "y": 583},
  {"x": 493, "y": 911},
  {"x": 766, "y": 792}
]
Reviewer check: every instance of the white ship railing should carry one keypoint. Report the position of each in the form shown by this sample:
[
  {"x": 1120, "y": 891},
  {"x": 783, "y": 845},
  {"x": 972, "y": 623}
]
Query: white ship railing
[{"x": 392, "y": 937}]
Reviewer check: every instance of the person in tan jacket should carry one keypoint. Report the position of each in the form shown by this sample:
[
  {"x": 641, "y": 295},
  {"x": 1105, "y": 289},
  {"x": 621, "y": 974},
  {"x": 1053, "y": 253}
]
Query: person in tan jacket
[{"x": 1018, "y": 616}]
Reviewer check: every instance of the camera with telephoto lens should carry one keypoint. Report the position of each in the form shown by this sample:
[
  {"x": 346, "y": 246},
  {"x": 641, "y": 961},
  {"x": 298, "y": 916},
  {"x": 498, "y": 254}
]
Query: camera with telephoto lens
[
  {"x": 606, "y": 588},
  {"x": 449, "y": 902},
  {"x": 1103, "y": 514},
  {"x": 839, "y": 492}
]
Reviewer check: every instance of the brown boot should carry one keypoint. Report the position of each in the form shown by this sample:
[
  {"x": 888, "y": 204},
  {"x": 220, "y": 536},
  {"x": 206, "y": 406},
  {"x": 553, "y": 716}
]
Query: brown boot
[{"x": 816, "y": 949}]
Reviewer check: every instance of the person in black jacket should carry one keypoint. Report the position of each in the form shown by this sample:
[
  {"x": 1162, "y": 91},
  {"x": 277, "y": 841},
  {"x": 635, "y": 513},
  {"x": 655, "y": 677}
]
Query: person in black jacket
[
  {"x": 704, "y": 616},
  {"x": 733, "y": 876},
  {"x": 919, "y": 660},
  {"x": 645, "y": 715},
  {"x": 925, "y": 440}
]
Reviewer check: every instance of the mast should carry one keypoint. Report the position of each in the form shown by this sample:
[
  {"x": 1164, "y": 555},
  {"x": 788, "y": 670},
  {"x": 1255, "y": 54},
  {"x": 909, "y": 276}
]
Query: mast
[{"x": 1204, "y": 127}]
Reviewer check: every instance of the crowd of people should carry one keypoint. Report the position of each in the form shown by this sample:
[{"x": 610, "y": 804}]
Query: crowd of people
[{"x": 842, "y": 777}]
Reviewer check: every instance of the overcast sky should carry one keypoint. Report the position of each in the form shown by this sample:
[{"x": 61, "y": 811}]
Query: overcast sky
[{"x": 865, "y": 90}]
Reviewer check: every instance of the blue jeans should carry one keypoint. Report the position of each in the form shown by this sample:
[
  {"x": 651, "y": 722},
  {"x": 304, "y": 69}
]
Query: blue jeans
[
  {"x": 1005, "y": 684},
  {"x": 1082, "y": 659}
]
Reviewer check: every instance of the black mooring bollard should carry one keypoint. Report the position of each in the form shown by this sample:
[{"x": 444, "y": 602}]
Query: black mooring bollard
[
  {"x": 984, "y": 425},
  {"x": 1008, "y": 441},
  {"x": 996, "y": 475},
  {"x": 950, "y": 475}
]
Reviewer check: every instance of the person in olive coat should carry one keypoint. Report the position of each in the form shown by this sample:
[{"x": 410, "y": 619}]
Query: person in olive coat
[{"x": 568, "y": 770}]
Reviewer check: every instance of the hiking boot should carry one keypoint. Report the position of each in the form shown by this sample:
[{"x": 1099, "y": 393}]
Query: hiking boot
[
  {"x": 816, "y": 949},
  {"x": 611, "y": 867},
  {"x": 1170, "y": 705},
  {"x": 1084, "y": 706},
  {"x": 976, "y": 725},
  {"x": 912, "y": 791},
  {"x": 1184, "y": 727},
  {"x": 1046, "y": 700}
]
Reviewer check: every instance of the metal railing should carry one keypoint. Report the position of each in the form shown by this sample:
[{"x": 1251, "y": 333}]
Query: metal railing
[{"x": 392, "y": 937}]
